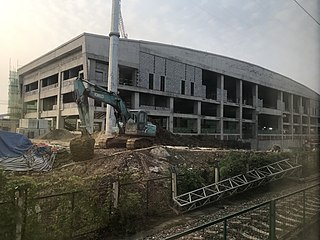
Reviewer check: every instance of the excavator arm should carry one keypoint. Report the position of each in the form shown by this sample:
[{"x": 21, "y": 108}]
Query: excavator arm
[{"x": 82, "y": 93}]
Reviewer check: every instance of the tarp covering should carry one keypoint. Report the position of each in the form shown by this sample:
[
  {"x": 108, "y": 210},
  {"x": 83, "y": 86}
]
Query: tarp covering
[
  {"x": 13, "y": 144},
  {"x": 17, "y": 153}
]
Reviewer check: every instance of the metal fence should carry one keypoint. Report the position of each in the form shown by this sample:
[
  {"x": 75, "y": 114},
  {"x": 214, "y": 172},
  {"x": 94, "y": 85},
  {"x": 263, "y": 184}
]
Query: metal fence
[
  {"x": 275, "y": 219},
  {"x": 76, "y": 214}
]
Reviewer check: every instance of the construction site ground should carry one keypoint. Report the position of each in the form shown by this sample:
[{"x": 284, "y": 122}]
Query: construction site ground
[
  {"x": 149, "y": 162},
  {"x": 153, "y": 162}
]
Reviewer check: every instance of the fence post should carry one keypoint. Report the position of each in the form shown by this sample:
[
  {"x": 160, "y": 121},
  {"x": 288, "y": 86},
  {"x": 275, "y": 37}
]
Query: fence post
[
  {"x": 304, "y": 207},
  {"x": 173, "y": 183},
  {"x": 225, "y": 229},
  {"x": 19, "y": 202},
  {"x": 216, "y": 171},
  {"x": 272, "y": 213},
  {"x": 115, "y": 193},
  {"x": 147, "y": 203},
  {"x": 72, "y": 215}
]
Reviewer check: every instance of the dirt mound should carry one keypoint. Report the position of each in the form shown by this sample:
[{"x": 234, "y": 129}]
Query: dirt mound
[
  {"x": 82, "y": 148},
  {"x": 58, "y": 134}
]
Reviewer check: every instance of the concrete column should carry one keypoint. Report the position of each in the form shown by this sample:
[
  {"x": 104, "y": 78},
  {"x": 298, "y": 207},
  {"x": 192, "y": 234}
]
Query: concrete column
[
  {"x": 309, "y": 120},
  {"x": 59, "y": 122},
  {"x": 300, "y": 114},
  {"x": 280, "y": 123},
  {"x": 239, "y": 92},
  {"x": 256, "y": 114},
  {"x": 91, "y": 73},
  {"x": 220, "y": 84},
  {"x": 199, "y": 117},
  {"x": 291, "y": 114},
  {"x": 39, "y": 109},
  {"x": 171, "y": 114},
  {"x": 135, "y": 100}
]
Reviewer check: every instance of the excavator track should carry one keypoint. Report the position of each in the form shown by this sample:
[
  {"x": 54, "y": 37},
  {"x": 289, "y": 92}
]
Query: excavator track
[
  {"x": 130, "y": 143},
  {"x": 136, "y": 143}
]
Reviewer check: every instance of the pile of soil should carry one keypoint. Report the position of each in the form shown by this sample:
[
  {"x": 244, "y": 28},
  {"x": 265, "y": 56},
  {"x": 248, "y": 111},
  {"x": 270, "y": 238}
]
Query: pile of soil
[
  {"x": 82, "y": 148},
  {"x": 58, "y": 134}
]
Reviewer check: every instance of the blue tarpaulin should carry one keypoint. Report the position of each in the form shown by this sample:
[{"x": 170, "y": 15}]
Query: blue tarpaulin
[
  {"x": 13, "y": 144},
  {"x": 17, "y": 153}
]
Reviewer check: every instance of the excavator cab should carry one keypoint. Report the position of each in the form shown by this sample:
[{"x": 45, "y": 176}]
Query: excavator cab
[{"x": 138, "y": 124}]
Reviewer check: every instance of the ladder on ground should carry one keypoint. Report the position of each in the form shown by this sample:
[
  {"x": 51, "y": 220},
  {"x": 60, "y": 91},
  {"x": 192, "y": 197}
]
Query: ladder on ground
[{"x": 240, "y": 183}]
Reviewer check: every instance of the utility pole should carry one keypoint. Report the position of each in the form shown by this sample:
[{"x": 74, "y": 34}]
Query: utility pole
[{"x": 113, "y": 63}]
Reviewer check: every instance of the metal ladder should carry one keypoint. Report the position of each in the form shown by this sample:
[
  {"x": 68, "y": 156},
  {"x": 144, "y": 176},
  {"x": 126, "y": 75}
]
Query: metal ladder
[{"x": 240, "y": 183}]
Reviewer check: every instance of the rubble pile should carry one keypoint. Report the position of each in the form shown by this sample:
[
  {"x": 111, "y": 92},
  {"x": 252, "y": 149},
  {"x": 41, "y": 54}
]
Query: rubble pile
[{"x": 58, "y": 134}]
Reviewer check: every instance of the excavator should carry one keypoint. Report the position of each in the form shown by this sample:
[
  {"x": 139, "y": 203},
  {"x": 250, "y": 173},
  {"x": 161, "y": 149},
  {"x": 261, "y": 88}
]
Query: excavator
[{"x": 132, "y": 126}]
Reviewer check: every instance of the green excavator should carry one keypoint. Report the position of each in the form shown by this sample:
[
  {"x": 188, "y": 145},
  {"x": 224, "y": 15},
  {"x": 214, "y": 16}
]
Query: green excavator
[{"x": 134, "y": 130}]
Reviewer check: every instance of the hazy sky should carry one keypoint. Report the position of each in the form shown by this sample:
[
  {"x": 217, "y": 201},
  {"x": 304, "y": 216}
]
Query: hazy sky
[{"x": 275, "y": 34}]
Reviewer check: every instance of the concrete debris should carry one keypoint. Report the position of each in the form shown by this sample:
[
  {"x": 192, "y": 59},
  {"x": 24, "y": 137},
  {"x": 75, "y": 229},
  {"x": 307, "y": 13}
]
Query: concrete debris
[
  {"x": 154, "y": 169},
  {"x": 159, "y": 152}
]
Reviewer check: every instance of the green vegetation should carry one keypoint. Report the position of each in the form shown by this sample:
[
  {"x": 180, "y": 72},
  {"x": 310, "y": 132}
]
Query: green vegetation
[{"x": 239, "y": 162}]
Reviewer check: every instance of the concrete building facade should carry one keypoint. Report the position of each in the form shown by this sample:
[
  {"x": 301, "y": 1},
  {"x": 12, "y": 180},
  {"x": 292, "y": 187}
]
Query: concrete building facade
[{"x": 186, "y": 91}]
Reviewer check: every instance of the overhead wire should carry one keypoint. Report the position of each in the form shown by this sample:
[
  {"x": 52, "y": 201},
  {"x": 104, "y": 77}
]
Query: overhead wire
[{"x": 306, "y": 11}]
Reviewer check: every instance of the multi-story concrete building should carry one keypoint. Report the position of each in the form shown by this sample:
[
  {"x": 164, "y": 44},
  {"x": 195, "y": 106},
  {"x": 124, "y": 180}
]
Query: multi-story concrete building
[{"x": 184, "y": 90}]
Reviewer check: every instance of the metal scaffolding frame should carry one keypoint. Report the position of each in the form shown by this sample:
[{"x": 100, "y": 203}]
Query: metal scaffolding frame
[{"x": 236, "y": 184}]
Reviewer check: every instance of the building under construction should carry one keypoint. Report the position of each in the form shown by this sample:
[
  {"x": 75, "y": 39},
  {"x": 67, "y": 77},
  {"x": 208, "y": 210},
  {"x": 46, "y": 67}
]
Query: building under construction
[
  {"x": 185, "y": 90},
  {"x": 14, "y": 96}
]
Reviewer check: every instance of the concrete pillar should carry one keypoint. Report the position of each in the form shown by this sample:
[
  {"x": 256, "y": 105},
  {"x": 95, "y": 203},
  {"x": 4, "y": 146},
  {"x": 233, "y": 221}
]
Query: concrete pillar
[
  {"x": 220, "y": 84},
  {"x": 59, "y": 122},
  {"x": 135, "y": 100},
  {"x": 171, "y": 114},
  {"x": 39, "y": 109},
  {"x": 256, "y": 114},
  {"x": 309, "y": 120},
  {"x": 291, "y": 114},
  {"x": 91, "y": 72},
  {"x": 198, "y": 103},
  {"x": 300, "y": 115},
  {"x": 239, "y": 92},
  {"x": 280, "y": 123}
]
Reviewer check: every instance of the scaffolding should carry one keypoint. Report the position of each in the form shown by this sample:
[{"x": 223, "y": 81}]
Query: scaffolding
[{"x": 14, "y": 96}]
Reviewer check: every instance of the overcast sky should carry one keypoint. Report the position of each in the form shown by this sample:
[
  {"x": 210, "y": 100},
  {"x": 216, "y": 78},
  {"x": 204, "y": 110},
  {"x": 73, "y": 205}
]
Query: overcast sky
[{"x": 275, "y": 34}]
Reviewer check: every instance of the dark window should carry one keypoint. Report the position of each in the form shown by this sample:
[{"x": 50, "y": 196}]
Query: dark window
[
  {"x": 150, "y": 81},
  {"x": 183, "y": 87},
  {"x": 162, "y": 83},
  {"x": 192, "y": 89},
  {"x": 99, "y": 76}
]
